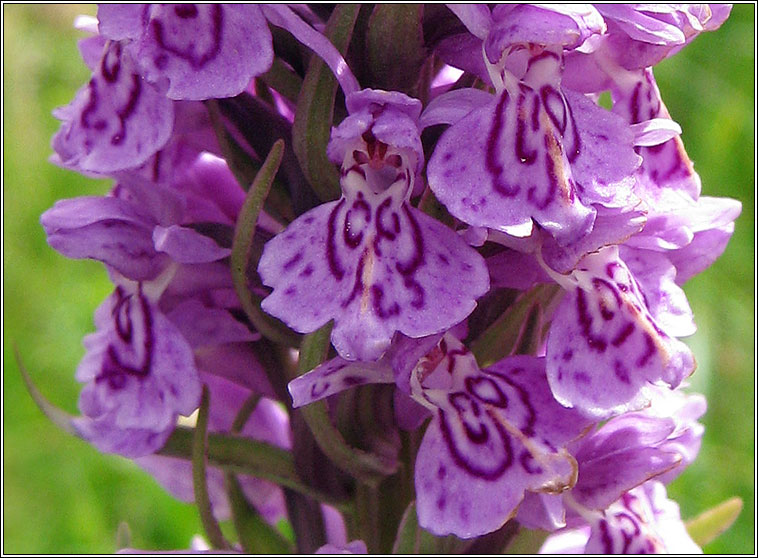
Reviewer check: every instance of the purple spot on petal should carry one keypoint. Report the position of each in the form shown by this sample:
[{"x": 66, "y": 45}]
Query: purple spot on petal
[
  {"x": 621, "y": 371},
  {"x": 649, "y": 350}
]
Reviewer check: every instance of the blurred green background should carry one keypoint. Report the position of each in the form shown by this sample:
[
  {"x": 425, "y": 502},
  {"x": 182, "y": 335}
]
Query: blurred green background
[{"x": 62, "y": 496}]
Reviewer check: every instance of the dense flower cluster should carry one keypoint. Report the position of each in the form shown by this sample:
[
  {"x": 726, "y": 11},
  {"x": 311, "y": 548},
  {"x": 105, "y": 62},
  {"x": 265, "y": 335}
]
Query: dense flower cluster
[{"x": 498, "y": 249}]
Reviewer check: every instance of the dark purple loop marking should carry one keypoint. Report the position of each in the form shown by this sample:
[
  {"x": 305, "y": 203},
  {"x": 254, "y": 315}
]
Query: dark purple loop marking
[
  {"x": 595, "y": 342},
  {"x": 121, "y": 317},
  {"x": 649, "y": 350},
  {"x": 110, "y": 65},
  {"x": 491, "y": 162},
  {"x": 377, "y": 296},
  {"x": 549, "y": 96},
  {"x": 197, "y": 58},
  {"x": 381, "y": 230},
  {"x": 419, "y": 294},
  {"x": 477, "y": 469},
  {"x": 486, "y": 389},
  {"x": 525, "y": 157},
  {"x": 527, "y": 461},
  {"x": 600, "y": 285},
  {"x": 114, "y": 370},
  {"x": 623, "y": 334},
  {"x": 417, "y": 259},
  {"x": 358, "y": 285},
  {"x": 530, "y": 421}
]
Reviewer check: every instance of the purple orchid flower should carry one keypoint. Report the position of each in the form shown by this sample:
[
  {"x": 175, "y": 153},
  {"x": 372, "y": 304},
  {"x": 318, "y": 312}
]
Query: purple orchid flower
[
  {"x": 370, "y": 260},
  {"x": 494, "y": 434},
  {"x": 604, "y": 347},
  {"x": 192, "y": 51},
  {"x": 534, "y": 152}
]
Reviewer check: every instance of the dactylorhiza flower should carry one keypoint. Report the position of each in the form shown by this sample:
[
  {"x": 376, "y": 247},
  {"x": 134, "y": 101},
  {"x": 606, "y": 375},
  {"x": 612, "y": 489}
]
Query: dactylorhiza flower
[
  {"x": 371, "y": 261},
  {"x": 494, "y": 433},
  {"x": 574, "y": 169},
  {"x": 170, "y": 314}
]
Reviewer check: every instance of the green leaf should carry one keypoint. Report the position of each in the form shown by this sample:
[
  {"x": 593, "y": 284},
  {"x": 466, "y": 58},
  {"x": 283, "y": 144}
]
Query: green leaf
[
  {"x": 711, "y": 523},
  {"x": 241, "y": 258},
  {"x": 243, "y": 455},
  {"x": 412, "y": 539},
  {"x": 516, "y": 330},
  {"x": 315, "y": 109},
  {"x": 360, "y": 464},
  {"x": 395, "y": 46},
  {"x": 58, "y": 416},
  {"x": 199, "y": 477}
]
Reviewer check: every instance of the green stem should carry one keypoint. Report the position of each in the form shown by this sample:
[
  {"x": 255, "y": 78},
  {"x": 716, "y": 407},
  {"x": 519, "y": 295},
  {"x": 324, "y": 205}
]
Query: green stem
[
  {"x": 360, "y": 464},
  {"x": 199, "y": 478}
]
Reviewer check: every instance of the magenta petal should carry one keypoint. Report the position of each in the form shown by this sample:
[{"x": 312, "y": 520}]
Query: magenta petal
[
  {"x": 107, "y": 229},
  {"x": 203, "y": 326},
  {"x": 140, "y": 374},
  {"x": 115, "y": 122}
]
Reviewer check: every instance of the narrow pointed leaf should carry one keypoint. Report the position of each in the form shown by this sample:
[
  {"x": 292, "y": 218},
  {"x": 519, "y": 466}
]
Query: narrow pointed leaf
[
  {"x": 315, "y": 109},
  {"x": 711, "y": 523},
  {"x": 241, "y": 252},
  {"x": 245, "y": 456}
]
